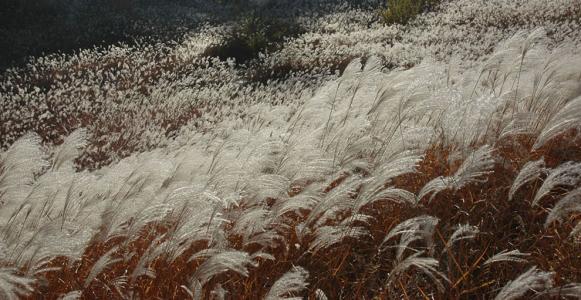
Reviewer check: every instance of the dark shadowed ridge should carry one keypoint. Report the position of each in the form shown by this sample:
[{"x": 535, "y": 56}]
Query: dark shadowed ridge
[{"x": 36, "y": 28}]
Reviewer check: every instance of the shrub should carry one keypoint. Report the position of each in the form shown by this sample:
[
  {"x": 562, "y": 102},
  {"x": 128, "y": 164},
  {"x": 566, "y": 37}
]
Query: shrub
[
  {"x": 252, "y": 35},
  {"x": 402, "y": 11}
]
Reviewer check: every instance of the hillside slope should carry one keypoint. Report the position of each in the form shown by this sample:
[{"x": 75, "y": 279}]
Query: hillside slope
[{"x": 355, "y": 160}]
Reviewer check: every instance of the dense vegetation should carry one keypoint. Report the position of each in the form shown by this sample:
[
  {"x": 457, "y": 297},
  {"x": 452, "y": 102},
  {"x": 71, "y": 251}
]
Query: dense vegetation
[
  {"x": 310, "y": 149},
  {"x": 40, "y": 27},
  {"x": 402, "y": 11}
]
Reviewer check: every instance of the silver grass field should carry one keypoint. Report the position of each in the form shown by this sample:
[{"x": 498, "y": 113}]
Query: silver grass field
[{"x": 435, "y": 160}]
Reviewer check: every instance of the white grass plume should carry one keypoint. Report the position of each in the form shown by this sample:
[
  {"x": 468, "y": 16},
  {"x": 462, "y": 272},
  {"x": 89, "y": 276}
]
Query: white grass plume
[
  {"x": 311, "y": 169},
  {"x": 374, "y": 189},
  {"x": 70, "y": 148},
  {"x": 267, "y": 239},
  {"x": 335, "y": 201},
  {"x": 565, "y": 175},
  {"x": 478, "y": 164},
  {"x": 532, "y": 170},
  {"x": 12, "y": 286},
  {"x": 568, "y": 117},
  {"x": 196, "y": 290},
  {"x": 414, "y": 229},
  {"x": 320, "y": 295},
  {"x": 404, "y": 162},
  {"x": 571, "y": 290},
  {"x": 291, "y": 283},
  {"x": 463, "y": 232},
  {"x": 305, "y": 200},
  {"x": 533, "y": 280},
  {"x": 231, "y": 260},
  {"x": 143, "y": 264},
  {"x": 371, "y": 195},
  {"x": 426, "y": 265},
  {"x": 198, "y": 220},
  {"x": 100, "y": 265},
  {"x": 251, "y": 222},
  {"x": 155, "y": 213},
  {"x": 412, "y": 225},
  {"x": 19, "y": 165},
  {"x": 268, "y": 186},
  {"x": 22, "y": 161},
  {"x": 507, "y": 256},
  {"x": 571, "y": 203},
  {"x": 327, "y": 236}
]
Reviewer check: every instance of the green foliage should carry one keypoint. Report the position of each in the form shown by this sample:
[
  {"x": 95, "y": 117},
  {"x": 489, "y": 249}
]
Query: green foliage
[
  {"x": 252, "y": 35},
  {"x": 403, "y": 11}
]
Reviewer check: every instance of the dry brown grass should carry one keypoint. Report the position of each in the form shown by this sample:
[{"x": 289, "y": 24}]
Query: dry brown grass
[{"x": 355, "y": 269}]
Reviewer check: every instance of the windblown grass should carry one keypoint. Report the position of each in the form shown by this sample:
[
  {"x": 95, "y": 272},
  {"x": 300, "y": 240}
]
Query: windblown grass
[{"x": 443, "y": 180}]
